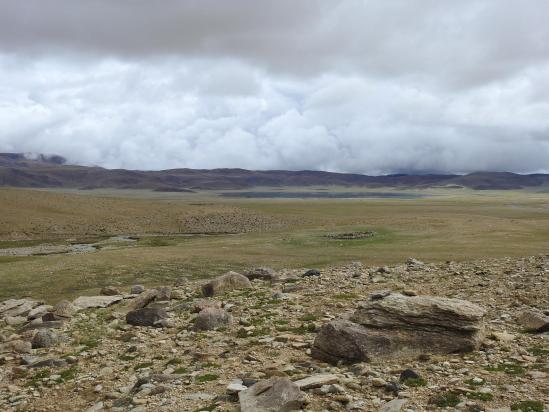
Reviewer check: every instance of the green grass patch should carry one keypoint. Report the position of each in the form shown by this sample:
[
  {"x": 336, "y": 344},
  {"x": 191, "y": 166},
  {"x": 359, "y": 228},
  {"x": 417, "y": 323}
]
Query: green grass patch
[
  {"x": 68, "y": 374},
  {"x": 308, "y": 317},
  {"x": 143, "y": 365},
  {"x": 38, "y": 377},
  {"x": 528, "y": 406},
  {"x": 415, "y": 382},
  {"x": 539, "y": 351},
  {"x": 208, "y": 377},
  {"x": 508, "y": 368},
  {"x": 345, "y": 296},
  {"x": 180, "y": 371},
  {"x": 480, "y": 396},
  {"x": 445, "y": 400},
  {"x": 174, "y": 361}
]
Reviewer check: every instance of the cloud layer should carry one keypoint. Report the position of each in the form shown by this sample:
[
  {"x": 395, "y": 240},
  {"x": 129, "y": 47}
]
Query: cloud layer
[{"x": 358, "y": 86}]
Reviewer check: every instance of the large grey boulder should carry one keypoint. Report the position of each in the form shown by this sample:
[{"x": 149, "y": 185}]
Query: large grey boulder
[
  {"x": 399, "y": 326},
  {"x": 146, "y": 317},
  {"x": 271, "y": 395},
  {"x": 227, "y": 282},
  {"x": 212, "y": 318}
]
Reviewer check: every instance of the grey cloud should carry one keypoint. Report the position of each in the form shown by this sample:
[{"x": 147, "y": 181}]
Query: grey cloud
[
  {"x": 455, "y": 44},
  {"x": 358, "y": 85}
]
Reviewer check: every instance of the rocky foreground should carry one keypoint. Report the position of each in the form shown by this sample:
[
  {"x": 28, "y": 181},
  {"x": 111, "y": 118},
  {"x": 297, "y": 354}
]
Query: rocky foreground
[{"x": 415, "y": 337}]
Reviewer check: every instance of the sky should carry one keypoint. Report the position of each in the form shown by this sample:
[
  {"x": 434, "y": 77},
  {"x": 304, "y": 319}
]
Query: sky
[{"x": 362, "y": 86}]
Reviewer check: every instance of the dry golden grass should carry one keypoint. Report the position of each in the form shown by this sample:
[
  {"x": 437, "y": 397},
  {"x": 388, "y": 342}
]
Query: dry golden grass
[{"x": 452, "y": 225}]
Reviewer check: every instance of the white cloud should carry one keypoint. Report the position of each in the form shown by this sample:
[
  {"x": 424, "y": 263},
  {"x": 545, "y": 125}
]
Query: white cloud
[{"x": 358, "y": 86}]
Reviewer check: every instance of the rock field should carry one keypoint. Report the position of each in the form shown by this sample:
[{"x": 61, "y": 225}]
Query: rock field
[{"x": 467, "y": 336}]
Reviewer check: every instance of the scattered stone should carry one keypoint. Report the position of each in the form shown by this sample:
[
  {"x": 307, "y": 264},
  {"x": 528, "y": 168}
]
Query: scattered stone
[
  {"x": 146, "y": 316},
  {"x": 235, "y": 387},
  {"x": 229, "y": 281},
  {"x": 39, "y": 311},
  {"x": 212, "y": 318},
  {"x": 316, "y": 381},
  {"x": 64, "y": 309},
  {"x": 271, "y": 395},
  {"x": 311, "y": 273},
  {"x": 408, "y": 374},
  {"x": 44, "y": 338},
  {"x": 534, "y": 321},
  {"x": 201, "y": 304},
  {"x": 379, "y": 294},
  {"x": 164, "y": 293},
  {"x": 395, "y": 405},
  {"x": 20, "y": 346},
  {"x": 110, "y": 291},
  {"x": 14, "y": 320},
  {"x": 144, "y": 299},
  {"x": 137, "y": 289},
  {"x": 56, "y": 324},
  {"x": 263, "y": 273},
  {"x": 49, "y": 363}
]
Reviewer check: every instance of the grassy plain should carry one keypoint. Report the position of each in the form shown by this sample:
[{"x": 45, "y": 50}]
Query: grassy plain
[{"x": 234, "y": 234}]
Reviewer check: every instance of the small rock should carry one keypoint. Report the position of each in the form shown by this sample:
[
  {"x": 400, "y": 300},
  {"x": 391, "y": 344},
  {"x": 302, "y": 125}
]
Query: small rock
[
  {"x": 164, "y": 293},
  {"x": 146, "y": 316},
  {"x": 271, "y": 395},
  {"x": 137, "y": 289},
  {"x": 311, "y": 273},
  {"x": 395, "y": 405},
  {"x": 316, "y": 381},
  {"x": 227, "y": 282},
  {"x": 408, "y": 374},
  {"x": 110, "y": 291},
  {"x": 533, "y": 320},
  {"x": 212, "y": 318},
  {"x": 44, "y": 338}
]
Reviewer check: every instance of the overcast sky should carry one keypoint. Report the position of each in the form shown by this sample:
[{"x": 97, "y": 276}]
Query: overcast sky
[{"x": 363, "y": 86}]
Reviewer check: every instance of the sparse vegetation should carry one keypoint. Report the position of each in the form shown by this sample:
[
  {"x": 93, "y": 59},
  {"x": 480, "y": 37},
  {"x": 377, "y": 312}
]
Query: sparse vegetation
[
  {"x": 445, "y": 400},
  {"x": 208, "y": 377},
  {"x": 528, "y": 406}
]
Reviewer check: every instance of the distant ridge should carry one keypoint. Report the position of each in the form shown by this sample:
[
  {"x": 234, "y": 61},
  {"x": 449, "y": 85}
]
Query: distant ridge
[{"x": 42, "y": 171}]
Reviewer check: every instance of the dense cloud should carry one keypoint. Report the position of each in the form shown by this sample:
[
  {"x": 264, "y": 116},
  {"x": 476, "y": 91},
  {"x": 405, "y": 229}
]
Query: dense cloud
[{"x": 359, "y": 86}]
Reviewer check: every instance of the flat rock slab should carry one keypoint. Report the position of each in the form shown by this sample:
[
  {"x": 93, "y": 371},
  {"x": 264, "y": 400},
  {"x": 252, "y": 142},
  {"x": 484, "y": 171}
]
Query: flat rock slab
[
  {"x": 316, "y": 381},
  {"x": 88, "y": 302},
  {"x": 271, "y": 395},
  {"x": 424, "y": 312}
]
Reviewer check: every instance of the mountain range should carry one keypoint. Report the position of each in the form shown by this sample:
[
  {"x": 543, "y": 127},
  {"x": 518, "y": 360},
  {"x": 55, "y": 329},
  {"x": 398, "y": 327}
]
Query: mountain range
[{"x": 42, "y": 171}]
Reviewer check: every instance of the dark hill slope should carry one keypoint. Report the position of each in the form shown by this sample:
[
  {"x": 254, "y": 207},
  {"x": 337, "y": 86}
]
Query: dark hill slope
[{"x": 51, "y": 171}]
